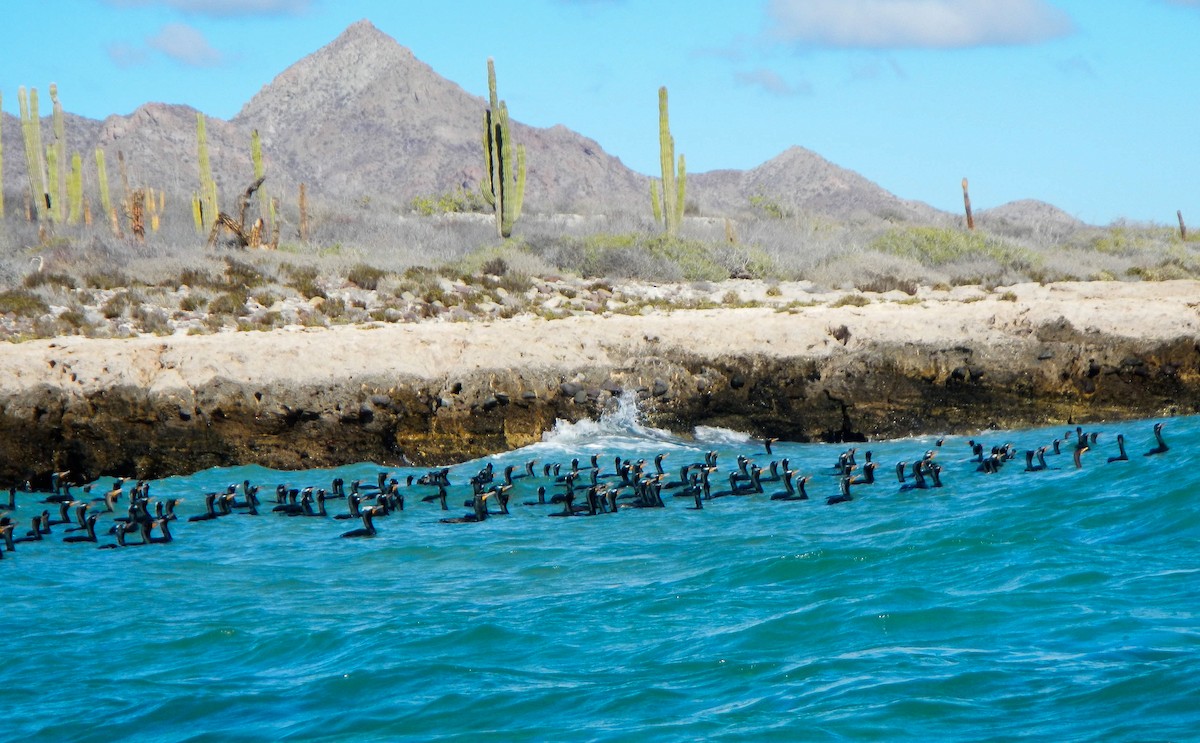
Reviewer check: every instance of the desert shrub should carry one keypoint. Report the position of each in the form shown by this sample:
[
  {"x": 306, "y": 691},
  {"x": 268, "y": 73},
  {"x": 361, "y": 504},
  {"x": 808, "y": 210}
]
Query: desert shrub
[
  {"x": 882, "y": 284},
  {"x": 196, "y": 277},
  {"x": 768, "y": 207},
  {"x": 495, "y": 267},
  {"x": 850, "y": 300},
  {"x": 265, "y": 298},
  {"x": 1123, "y": 239},
  {"x": 22, "y": 303},
  {"x": 365, "y": 277},
  {"x": 118, "y": 304},
  {"x": 153, "y": 320},
  {"x": 304, "y": 280},
  {"x": 109, "y": 278},
  {"x": 634, "y": 255},
  {"x": 74, "y": 317},
  {"x": 229, "y": 303},
  {"x": 458, "y": 201},
  {"x": 193, "y": 303},
  {"x": 938, "y": 246},
  {"x": 239, "y": 274},
  {"x": 333, "y": 308},
  {"x": 49, "y": 278}
]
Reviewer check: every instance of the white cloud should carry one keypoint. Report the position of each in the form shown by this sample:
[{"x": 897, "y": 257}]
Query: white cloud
[
  {"x": 934, "y": 24},
  {"x": 223, "y": 8},
  {"x": 126, "y": 55},
  {"x": 772, "y": 82},
  {"x": 186, "y": 45}
]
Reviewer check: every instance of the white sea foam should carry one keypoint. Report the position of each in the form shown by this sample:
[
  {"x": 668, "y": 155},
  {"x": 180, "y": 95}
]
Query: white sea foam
[{"x": 619, "y": 423}]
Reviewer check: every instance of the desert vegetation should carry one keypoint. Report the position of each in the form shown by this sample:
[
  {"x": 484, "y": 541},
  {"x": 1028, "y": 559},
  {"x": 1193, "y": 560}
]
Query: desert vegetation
[
  {"x": 160, "y": 265},
  {"x": 453, "y": 267}
]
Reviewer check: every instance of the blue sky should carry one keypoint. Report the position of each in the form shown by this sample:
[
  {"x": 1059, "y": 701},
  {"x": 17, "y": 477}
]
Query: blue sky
[{"x": 1090, "y": 105}]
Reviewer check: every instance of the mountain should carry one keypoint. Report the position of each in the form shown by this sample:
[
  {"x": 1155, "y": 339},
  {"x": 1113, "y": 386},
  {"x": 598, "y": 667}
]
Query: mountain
[
  {"x": 801, "y": 181},
  {"x": 363, "y": 121},
  {"x": 1029, "y": 218},
  {"x": 364, "y": 116}
]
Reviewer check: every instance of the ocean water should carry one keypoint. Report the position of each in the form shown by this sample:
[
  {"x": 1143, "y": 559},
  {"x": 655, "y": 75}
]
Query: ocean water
[{"x": 1055, "y": 605}]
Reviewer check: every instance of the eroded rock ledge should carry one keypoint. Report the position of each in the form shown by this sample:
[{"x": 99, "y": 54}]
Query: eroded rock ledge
[{"x": 441, "y": 393}]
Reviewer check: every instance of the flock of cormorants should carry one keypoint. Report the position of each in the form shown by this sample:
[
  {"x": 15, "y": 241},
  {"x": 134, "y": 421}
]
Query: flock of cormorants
[{"x": 577, "y": 490}]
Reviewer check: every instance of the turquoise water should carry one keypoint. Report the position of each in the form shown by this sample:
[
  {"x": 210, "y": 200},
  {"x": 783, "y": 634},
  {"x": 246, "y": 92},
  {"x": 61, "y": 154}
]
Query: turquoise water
[{"x": 1053, "y": 605}]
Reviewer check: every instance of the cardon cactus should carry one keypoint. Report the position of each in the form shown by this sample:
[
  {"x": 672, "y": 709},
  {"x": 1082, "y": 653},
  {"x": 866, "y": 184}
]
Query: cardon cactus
[{"x": 503, "y": 184}]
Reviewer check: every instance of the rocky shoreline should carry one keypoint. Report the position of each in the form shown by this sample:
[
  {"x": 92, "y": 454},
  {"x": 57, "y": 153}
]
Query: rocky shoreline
[{"x": 426, "y": 394}]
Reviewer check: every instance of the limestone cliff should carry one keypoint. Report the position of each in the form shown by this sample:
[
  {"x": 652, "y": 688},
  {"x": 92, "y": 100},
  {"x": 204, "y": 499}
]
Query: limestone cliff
[{"x": 438, "y": 393}]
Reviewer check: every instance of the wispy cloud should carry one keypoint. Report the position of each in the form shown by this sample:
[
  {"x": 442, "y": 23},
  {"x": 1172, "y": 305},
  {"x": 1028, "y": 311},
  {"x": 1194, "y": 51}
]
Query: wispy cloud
[
  {"x": 124, "y": 54},
  {"x": 222, "y": 8},
  {"x": 772, "y": 82},
  {"x": 932, "y": 24},
  {"x": 186, "y": 45}
]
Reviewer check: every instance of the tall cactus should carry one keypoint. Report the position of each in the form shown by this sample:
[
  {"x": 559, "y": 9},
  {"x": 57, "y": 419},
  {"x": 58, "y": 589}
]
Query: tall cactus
[
  {"x": 52, "y": 187},
  {"x": 668, "y": 208},
  {"x": 75, "y": 190},
  {"x": 266, "y": 205},
  {"x": 60, "y": 157},
  {"x": 503, "y": 186},
  {"x": 208, "y": 187},
  {"x": 1, "y": 161},
  {"x": 102, "y": 181},
  {"x": 31, "y": 129}
]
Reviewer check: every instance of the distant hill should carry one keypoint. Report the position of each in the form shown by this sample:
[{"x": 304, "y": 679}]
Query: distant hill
[
  {"x": 799, "y": 180},
  {"x": 362, "y": 120},
  {"x": 1029, "y": 218}
]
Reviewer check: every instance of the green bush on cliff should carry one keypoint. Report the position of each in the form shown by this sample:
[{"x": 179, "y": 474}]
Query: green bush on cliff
[
  {"x": 653, "y": 257},
  {"x": 365, "y": 276},
  {"x": 22, "y": 303},
  {"x": 938, "y": 246},
  {"x": 453, "y": 202}
]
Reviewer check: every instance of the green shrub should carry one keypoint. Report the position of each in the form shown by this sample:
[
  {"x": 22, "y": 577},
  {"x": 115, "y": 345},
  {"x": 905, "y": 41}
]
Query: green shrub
[
  {"x": 938, "y": 246},
  {"x": 109, "y": 278},
  {"x": 229, "y": 303},
  {"x": 74, "y": 317},
  {"x": 48, "y": 278},
  {"x": 304, "y": 280},
  {"x": 118, "y": 305},
  {"x": 768, "y": 207},
  {"x": 453, "y": 202},
  {"x": 196, "y": 277},
  {"x": 365, "y": 277},
  {"x": 883, "y": 284},
  {"x": 239, "y": 274},
  {"x": 850, "y": 300},
  {"x": 153, "y": 320},
  {"x": 22, "y": 303},
  {"x": 193, "y": 303}
]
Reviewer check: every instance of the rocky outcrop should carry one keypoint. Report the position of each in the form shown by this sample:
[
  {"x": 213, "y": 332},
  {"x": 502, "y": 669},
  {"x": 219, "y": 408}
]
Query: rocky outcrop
[{"x": 436, "y": 394}]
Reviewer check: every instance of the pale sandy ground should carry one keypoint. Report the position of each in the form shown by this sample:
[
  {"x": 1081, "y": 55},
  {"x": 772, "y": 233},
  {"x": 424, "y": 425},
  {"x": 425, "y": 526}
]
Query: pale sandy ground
[{"x": 297, "y": 355}]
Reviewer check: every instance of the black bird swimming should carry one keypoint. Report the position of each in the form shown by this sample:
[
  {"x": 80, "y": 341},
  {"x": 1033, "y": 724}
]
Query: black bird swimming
[
  {"x": 844, "y": 494},
  {"x": 1122, "y": 457},
  {"x": 1162, "y": 445},
  {"x": 210, "y": 512},
  {"x": 479, "y": 511},
  {"x": 368, "y": 527},
  {"x": 792, "y": 492},
  {"x": 89, "y": 526}
]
